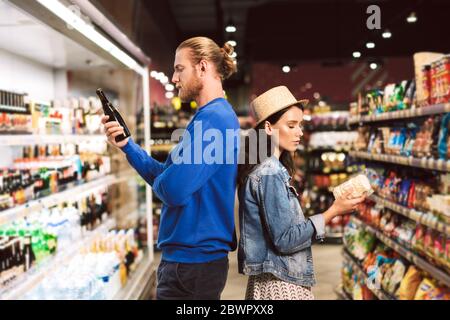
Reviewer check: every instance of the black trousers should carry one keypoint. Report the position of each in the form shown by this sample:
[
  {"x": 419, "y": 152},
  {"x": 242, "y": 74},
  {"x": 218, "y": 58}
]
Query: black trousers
[{"x": 191, "y": 281}]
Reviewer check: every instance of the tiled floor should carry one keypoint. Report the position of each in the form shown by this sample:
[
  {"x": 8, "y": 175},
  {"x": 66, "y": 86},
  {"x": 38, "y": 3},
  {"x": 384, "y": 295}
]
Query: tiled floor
[{"x": 327, "y": 264}]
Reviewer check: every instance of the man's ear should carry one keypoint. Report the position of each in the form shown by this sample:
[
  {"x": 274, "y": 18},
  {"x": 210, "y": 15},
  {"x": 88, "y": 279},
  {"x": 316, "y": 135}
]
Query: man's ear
[{"x": 203, "y": 66}]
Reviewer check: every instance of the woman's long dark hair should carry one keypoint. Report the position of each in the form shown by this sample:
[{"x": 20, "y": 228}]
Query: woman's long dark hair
[{"x": 285, "y": 157}]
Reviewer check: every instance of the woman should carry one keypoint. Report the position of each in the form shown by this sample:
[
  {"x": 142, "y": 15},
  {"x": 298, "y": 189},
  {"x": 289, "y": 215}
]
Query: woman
[{"x": 276, "y": 238}]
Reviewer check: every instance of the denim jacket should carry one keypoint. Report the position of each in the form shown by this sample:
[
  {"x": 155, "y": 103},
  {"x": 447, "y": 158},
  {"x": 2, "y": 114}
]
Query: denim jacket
[{"x": 275, "y": 237}]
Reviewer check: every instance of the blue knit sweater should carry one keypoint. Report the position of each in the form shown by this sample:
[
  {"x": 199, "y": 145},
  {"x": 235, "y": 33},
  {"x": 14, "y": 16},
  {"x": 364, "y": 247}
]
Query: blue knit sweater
[{"x": 197, "y": 217}]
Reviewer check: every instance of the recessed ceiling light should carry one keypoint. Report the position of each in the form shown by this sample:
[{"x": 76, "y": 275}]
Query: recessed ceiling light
[
  {"x": 387, "y": 34},
  {"x": 412, "y": 18}
]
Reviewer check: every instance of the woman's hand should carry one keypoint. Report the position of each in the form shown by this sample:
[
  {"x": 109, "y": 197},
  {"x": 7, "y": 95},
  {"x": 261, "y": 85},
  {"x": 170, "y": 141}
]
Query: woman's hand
[
  {"x": 112, "y": 130},
  {"x": 342, "y": 206}
]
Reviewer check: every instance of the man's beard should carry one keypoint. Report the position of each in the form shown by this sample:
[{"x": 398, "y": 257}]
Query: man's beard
[{"x": 191, "y": 91}]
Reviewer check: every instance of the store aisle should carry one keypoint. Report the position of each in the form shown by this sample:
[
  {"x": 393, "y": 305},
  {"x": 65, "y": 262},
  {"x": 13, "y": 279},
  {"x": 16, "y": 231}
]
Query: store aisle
[{"x": 327, "y": 262}]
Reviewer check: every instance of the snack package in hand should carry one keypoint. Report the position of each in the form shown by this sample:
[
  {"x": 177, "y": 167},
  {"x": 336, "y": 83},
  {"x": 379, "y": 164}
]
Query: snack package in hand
[{"x": 355, "y": 187}]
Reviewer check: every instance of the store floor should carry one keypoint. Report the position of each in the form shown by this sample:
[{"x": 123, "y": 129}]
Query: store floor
[{"x": 327, "y": 264}]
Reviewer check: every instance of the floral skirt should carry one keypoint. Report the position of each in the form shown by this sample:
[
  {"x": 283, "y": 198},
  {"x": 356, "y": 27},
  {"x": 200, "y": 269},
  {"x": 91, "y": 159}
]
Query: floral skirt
[{"x": 266, "y": 286}]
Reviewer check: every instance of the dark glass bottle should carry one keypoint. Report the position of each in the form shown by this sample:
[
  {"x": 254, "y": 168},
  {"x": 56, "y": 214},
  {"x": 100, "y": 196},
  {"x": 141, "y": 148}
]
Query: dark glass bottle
[{"x": 114, "y": 115}]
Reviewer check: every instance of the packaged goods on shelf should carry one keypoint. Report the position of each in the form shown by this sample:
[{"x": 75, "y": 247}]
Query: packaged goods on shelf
[
  {"x": 327, "y": 121},
  {"x": 48, "y": 231},
  {"x": 436, "y": 81},
  {"x": 98, "y": 272},
  {"x": 427, "y": 194},
  {"x": 20, "y": 114},
  {"x": 430, "y": 139},
  {"x": 15, "y": 113},
  {"x": 45, "y": 169},
  {"x": 386, "y": 272},
  {"x": 333, "y": 139}
]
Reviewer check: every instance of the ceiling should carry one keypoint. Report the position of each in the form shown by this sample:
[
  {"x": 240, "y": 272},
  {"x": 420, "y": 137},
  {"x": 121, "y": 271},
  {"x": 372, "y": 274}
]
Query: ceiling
[
  {"x": 325, "y": 30},
  {"x": 24, "y": 35}
]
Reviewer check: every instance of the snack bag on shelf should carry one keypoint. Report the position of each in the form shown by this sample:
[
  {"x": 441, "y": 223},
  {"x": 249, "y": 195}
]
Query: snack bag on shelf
[
  {"x": 409, "y": 284},
  {"x": 439, "y": 293},
  {"x": 426, "y": 287},
  {"x": 439, "y": 248},
  {"x": 404, "y": 192},
  {"x": 428, "y": 242},
  {"x": 394, "y": 276},
  {"x": 447, "y": 252},
  {"x": 444, "y": 136}
]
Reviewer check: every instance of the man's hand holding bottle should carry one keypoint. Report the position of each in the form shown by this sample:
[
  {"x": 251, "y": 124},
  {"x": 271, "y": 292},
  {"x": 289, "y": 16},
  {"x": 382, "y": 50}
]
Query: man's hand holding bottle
[{"x": 112, "y": 130}]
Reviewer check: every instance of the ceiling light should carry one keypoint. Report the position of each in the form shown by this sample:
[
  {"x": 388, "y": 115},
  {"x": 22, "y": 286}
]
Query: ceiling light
[
  {"x": 232, "y": 43},
  {"x": 356, "y": 54},
  {"x": 230, "y": 27},
  {"x": 87, "y": 30},
  {"x": 370, "y": 45},
  {"x": 164, "y": 80},
  {"x": 169, "y": 95},
  {"x": 412, "y": 18},
  {"x": 153, "y": 74},
  {"x": 286, "y": 69},
  {"x": 387, "y": 34},
  {"x": 373, "y": 66},
  {"x": 169, "y": 87}
]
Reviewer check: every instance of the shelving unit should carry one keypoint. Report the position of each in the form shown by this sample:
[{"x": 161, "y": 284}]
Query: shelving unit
[
  {"x": 141, "y": 282},
  {"x": 430, "y": 164},
  {"x": 425, "y": 218},
  {"x": 107, "y": 49},
  {"x": 74, "y": 193},
  {"x": 435, "y": 272},
  {"x": 34, "y": 276},
  {"x": 379, "y": 293},
  {"x": 34, "y": 139},
  {"x": 402, "y": 114}
]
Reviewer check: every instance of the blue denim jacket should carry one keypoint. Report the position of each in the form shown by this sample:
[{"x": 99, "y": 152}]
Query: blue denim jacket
[{"x": 275, "y": 237}]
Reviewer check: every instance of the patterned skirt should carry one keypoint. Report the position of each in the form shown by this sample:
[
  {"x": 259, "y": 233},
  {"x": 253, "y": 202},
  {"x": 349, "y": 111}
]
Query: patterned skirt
[{"x": 266, "y": 286}]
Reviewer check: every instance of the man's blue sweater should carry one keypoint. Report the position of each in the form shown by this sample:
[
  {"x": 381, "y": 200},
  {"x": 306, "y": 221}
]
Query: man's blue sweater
[{"x": 196, "y": 185}]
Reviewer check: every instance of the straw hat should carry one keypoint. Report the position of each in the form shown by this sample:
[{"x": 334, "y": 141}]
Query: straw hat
[{"x": 272, "y": 101}]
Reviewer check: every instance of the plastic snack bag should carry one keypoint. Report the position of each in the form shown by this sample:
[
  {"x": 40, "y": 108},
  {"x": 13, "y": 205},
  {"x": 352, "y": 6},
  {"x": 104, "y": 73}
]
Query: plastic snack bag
[
  {"x": 356, "y": 187},
  {"x": 409, "y": 284}
]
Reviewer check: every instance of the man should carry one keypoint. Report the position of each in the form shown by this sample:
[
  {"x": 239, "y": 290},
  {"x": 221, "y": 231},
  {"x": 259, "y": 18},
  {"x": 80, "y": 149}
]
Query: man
[{"x": 197, "y": 219}]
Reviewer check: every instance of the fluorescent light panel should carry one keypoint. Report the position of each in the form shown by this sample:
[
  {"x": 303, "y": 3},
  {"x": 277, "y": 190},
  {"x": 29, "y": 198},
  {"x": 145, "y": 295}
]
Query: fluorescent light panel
[{"x": 89, "y": 32}]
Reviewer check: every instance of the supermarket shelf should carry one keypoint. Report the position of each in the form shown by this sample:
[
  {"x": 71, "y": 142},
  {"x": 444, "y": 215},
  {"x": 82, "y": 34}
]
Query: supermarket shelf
[
  {"x": 340, "y": 292},
  {"x": 431, "y": 164},
  {"x": 402, "y": 114},
  {"x": 379, "y": 293},
  {"x": 435, "y": 272},
  {"x": 326, "y": 149},
  {"x": 142, "y": 280},
  {"x": 35, "y": 139},
  {"x": 35, "y": 275},
  {"x": 162, "y": 147},
  {"x": 425, "y": 218},
  {"x": 334, "y": 235},
  {"x": 74, "y": 193}
]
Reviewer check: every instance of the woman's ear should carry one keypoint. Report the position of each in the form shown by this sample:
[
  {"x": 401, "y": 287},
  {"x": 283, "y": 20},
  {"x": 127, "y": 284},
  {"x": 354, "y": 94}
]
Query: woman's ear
[{"x": 268, "y": 128}]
